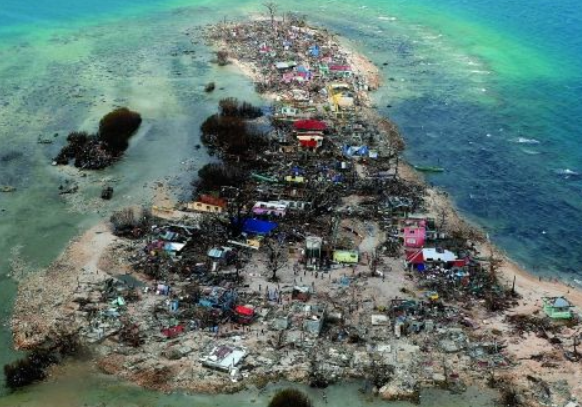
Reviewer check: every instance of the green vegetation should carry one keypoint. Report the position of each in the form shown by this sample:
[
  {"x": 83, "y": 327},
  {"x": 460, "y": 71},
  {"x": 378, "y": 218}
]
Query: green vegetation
[
  {"x": 96, "y": 151},
  {"x": 34, "y": 366},
  {"x": 230, "y": 134},
  {"x": 131, "y": 222},
  {"x": 210, "y": 86},
  {"x": 213, "y": 176},
  {"x": 290, "y": 398},
  {"x": 222, "y": 58},
  {"x": 117, "y": 127}
]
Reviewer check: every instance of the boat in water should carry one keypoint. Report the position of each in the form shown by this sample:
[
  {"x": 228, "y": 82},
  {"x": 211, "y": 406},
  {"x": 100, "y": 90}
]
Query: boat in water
[{"x": 428, "y": 168}]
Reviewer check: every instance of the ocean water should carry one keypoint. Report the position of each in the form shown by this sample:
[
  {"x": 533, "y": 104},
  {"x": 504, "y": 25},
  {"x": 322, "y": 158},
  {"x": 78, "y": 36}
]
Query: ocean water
[{"x": 488, "y": 89}]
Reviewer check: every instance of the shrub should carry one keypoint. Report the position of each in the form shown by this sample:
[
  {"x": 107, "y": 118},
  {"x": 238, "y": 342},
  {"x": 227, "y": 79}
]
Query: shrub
[
  {"x": 231, "y": 135},
  {"x": 210, "y": 86},
  {"x": 290, "y": 398},
  {"x": 34, "y": 366},
  {"x": 130, "y": 222},
  {"x": 28, "y": 370},
  {"x": 222, "y": 57},
  {"x": 233, "y": 108},
  {"x": 116, "y": 128},
  {"x": 215, "y": 175}
]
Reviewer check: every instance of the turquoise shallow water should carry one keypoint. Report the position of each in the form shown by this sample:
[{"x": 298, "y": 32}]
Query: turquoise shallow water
[{"x": 489, "y": 89}]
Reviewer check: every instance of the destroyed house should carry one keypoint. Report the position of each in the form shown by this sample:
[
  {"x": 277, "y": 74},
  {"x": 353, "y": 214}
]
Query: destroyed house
[
  {"x": 397, "y": 206},
  {"x": 223, "y": 357},
  {"x": 314, "y": 318},
  {"x": 212, "y": 200},
  {"x": 218, "y": 297},
  {"x": 414, "y": 236},
  {"x": 341, "y": 96},
  {"x": 310, "y": 142},
  {"x": 297, "y": 205},
  {"x": 309, "y": 125},
  {"x": 341, "y": 71},
  {"x": 313, "y": 250},
  {"x": 557, "y": 308},
  {"x": 429, "y": 256},
  {"x": 346, "y": 256},
  {"x": 356, "y": 151},
  {"x": 258, "y": 227},
  {"x": 285, "y": 65},
  {"x": 302, "y": 293},
  {"x": 295, "y": 179},
  {"x": 203, "y": 207},
  {"x": 220, "y": 256},
  {"x": 271, "y": 208},
  {"x": 243, "y": 314}
]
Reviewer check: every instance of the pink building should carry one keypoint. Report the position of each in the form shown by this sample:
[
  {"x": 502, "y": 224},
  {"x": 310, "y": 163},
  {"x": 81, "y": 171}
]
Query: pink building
[
  {"x": 414, "y": 236},
  {"x": 274, "y": 208}
]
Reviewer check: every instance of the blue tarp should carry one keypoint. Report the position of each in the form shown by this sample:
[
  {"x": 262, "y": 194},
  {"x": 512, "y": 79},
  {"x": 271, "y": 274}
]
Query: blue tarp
[
  {"x": 297, "y": 170},
  {"x": 258, "y": 227},
  {"x": 314, "y": 50},
  {"x": 351, "y": 151}
]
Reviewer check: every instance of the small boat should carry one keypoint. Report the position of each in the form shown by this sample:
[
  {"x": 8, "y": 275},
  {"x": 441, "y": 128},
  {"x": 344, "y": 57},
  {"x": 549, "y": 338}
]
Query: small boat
[
  {"x": 7, "y": 188},
  {"x": 264, "y": 178},
  {"x": 428, "y": 168},
  {"x": 41, "y": 140}
]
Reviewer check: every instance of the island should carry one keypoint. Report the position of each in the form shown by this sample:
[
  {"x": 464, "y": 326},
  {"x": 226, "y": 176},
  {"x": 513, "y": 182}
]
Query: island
[{"x": 311, "y": 252}]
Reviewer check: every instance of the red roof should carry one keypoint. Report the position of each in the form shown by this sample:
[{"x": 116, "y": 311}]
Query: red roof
[
  {"x": 461, "y": 262},
  {"x": 309, "y": 125},
  {"x": 415, "y": 257},
  {"x": 212, "y": 200},
  {"x": 246, "y": 311},
  {"x": 173, "y": 331},
  {"x": 308, "y": 143}
]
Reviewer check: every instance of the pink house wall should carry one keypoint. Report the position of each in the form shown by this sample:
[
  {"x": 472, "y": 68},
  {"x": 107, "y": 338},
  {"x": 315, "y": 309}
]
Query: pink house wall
[{"x": 414, "y": 237}]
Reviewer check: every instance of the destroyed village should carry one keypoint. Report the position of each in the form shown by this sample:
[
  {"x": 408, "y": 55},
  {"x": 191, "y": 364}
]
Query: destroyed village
[{"x": 310, "y": 252}]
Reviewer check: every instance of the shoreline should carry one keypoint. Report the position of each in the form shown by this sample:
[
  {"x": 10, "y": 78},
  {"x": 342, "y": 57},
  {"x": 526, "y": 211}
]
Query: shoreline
[{"x": 86, "y": 259}]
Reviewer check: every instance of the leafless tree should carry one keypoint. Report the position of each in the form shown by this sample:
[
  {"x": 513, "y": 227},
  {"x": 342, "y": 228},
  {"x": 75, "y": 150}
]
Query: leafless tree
[
  {"x": 276, "y": 256},
  {"x": 272, "y": 9},
  {"x": 238, "y": 208}
]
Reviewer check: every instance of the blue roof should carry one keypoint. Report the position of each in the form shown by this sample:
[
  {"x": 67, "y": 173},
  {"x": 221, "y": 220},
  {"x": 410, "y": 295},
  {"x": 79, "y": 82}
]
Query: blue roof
[
  {"x": 258, "y": 227},
  {"x": 561, "y": 303}
]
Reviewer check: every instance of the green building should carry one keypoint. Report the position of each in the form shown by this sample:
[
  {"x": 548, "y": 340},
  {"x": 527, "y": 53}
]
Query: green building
[{"x": 557, "y": 308}]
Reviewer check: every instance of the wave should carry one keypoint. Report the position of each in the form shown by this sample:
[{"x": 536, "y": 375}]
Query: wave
[
  {"x": 567, "y": 172},
  {"x": 383, "y": 18},
  {"x": 523, "y": 140}
]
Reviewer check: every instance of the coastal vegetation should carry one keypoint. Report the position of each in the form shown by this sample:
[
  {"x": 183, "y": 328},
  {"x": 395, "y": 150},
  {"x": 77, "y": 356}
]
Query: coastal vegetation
[
  {"x": 230, "y": 133},
  {"x": 102, "y": 149},
  {"x": 290, "y": 398},
  {"x": 210, "y": 86},
  {"x": 213, "y": 176},
  {"x": 222, "y": 58},
  {"x": 131, "y": 222},
  {"x": 34, "y": 367}
]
